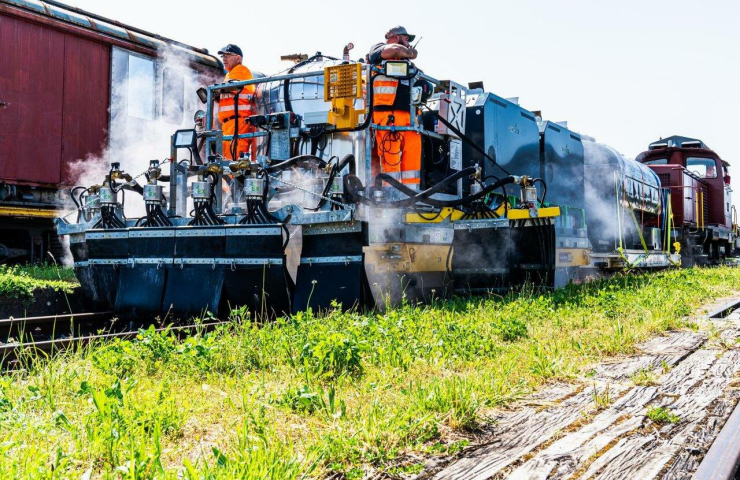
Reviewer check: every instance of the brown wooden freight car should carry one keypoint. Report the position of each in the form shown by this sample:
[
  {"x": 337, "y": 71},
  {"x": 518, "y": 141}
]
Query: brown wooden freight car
[{"x": 77, "y": 86}]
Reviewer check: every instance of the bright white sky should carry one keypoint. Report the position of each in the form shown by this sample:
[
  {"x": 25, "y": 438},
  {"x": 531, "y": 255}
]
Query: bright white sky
[{"x": 625, "y": 72}]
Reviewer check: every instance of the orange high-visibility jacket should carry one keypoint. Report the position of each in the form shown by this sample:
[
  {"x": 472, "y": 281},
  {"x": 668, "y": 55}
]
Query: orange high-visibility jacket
[
  {"x": 384, "y": 90},
  {"x": 226, "y": 107},
  {"x": 399, "y": 152}
]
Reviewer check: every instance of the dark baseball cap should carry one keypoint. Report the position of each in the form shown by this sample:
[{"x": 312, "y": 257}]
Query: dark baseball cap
[
  {"x": 231, "y": 48},
  {"x": 399, "y": 30}
]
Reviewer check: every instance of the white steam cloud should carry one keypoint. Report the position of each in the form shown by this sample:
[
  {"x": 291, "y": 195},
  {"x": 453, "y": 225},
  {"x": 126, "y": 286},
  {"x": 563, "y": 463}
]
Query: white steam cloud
[{"x": 151, "y": 98}]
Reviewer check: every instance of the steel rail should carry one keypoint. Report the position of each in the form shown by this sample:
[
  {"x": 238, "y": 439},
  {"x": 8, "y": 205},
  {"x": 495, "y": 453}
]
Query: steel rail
[
  {"x": 723, "y": 458},
  {"x": 15, "y": 322},
  {"x": 725, "y": 309},
  {"x": 722, "y": 461}
]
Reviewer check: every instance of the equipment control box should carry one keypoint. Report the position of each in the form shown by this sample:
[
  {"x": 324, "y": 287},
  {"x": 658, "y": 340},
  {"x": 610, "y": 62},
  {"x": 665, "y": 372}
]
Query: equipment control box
[{"x": 449, "y": 101}]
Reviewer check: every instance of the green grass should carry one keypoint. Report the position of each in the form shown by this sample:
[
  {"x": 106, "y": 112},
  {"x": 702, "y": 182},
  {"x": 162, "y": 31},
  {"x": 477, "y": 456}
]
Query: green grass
[
  {"x": 661, "y": 415},
  {"x": 20, "y": 281},
  {"x": 644, "y": 378},
  {"x": 316, "y": 395}
]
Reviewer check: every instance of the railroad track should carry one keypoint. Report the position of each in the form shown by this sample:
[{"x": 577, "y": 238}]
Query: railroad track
[
  {"x": 722, "y": 461},
  {"x": 42, "y": 334}
]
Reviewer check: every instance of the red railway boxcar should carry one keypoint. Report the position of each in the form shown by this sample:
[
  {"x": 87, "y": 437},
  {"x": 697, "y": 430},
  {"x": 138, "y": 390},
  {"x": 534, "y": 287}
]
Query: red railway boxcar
[
  {"x": 699, "y": 186},
  {"x": 70, "y": 82}
]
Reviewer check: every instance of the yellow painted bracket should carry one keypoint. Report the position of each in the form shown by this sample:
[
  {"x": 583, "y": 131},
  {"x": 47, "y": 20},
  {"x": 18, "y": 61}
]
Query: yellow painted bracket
[
  {"x": 524, "y": 213},
  {"x": 447, "y": 212},
  {"x": 454, "y": 214},
  {"x": 28, "y": 212}
]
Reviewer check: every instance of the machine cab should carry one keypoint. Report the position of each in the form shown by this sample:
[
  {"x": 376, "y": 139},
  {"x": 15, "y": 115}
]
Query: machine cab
[{"x": 704, "y": 176}]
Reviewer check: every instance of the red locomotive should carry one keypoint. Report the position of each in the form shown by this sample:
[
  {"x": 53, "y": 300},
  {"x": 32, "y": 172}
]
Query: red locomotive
[
  {"x": 68, "y": 78},
  {"x": 704, "y": 219}
]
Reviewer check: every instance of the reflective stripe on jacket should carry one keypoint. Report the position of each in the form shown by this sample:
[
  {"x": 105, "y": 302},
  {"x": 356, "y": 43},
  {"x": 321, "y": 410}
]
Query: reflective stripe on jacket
[
  {"x": 226, "y": 108},
  {"x": 384, "y": 90}
]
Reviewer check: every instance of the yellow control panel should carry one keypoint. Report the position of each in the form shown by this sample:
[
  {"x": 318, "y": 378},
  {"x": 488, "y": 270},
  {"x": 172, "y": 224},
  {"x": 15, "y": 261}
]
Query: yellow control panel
[{"x": 342, "y": 87}]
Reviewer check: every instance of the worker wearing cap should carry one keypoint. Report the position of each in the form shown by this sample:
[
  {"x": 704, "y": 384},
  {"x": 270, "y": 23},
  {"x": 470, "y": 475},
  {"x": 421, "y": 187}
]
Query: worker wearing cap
[
  {"x": 235, "y": 106},
  {"x": 399, "y": 152}
]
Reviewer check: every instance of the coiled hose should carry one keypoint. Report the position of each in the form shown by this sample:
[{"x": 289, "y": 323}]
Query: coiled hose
[{"x": 354, "y": 188}]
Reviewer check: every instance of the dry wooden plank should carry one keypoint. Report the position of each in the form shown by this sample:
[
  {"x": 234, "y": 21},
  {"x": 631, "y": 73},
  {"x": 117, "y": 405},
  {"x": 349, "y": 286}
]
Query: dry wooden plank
[
  {"x": 652, "y": 460},
  {"x": 550, "y": 395},
  {"x": 582, "y": 456},
  {"x": 693, "y": 404},
  {"x": 624, "y": 369},
  {"x": 567, "y": 453},
  {"x": 687, "y": 373},
  {"x": 615, "y": 456},
  {"x": 520, "y": 439},
  {"x": 694, "y": 396},
  {"x": 516, "y": 436},
  {"x": 519, "y": 435},
  {"x": 693, "y": 389},
  {"x": 688, "y": 458},
  {"x": 675, "y": 342},
  {"x": 638, "y": 456}
]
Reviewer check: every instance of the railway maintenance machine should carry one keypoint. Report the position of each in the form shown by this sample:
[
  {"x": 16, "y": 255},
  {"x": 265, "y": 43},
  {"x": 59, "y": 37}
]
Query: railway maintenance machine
[{"x": 306, "y": 218}]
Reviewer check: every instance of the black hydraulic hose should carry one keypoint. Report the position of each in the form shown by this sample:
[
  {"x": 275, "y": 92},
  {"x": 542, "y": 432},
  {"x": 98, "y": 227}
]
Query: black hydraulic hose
[
  {"x": 279, "y": 167},
  {"x": 234, "y": 145},
  {"x": 384, "y": 177},
  {"x": 353, "y": 186},
  {"x": 155, "y": 217},
  {"x": 72, "y": 194},
  {"x": 544, "y": 189},
  {"x": 108, "y": 219},
  {"x": 416, "y": 197},
  {"x": 505, "y": 202},
  {"x": 462, "y": 201},
  {"x": 348, "y": 159},
  {"x": 138, "y": 189}
]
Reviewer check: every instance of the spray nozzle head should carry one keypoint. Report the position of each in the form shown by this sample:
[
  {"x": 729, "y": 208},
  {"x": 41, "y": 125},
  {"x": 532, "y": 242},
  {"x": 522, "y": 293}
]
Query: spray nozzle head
[
  {"x": 242, "y": 165},
  {"x": 214, "y": 168},
  {"x": 154, "y": 171},
  {"x": 478, "y": 172},
  {"x": 522, "y": 180}
]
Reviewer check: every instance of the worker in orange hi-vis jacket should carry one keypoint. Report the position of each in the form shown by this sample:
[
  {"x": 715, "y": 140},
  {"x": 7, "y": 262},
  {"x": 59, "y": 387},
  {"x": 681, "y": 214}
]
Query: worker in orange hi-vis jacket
[
  {"x": 234, "y": 107},
  {"x": 399, "y": 152}
]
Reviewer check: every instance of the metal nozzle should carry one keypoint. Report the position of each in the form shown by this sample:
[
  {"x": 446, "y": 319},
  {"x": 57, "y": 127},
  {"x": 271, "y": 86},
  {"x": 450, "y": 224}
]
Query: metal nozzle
[
  {"x": 243, "y": 165},
  {"x": 214, "y": 168}
]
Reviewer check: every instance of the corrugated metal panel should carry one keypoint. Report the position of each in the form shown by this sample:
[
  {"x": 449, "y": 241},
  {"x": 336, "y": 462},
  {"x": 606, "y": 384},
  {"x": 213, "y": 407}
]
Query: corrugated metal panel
[
  {"x": 31, "y": 82},
  {"x": 86, "y": 94}
]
